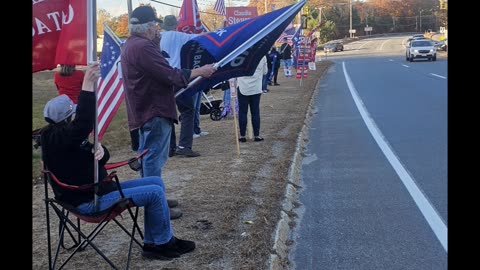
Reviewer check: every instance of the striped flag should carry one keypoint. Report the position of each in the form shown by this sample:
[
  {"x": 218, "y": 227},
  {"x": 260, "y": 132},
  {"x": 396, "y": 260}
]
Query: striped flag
[
  {"x": 220, "y": 7},
  {"x": 288, "y": 33},
  {"x": 110, "y": 86}
]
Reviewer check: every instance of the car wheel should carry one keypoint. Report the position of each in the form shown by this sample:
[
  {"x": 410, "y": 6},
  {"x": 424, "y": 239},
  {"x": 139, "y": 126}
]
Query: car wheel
[
  {"x": 434, "y": 58},
  {"x": 411, "y": 58}
]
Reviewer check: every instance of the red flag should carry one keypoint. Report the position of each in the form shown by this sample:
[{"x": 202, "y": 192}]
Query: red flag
[
  {"x": 110, "y": 87},
  {"x": 189, "y": 19},
  {"x": 59, "y": 31}
]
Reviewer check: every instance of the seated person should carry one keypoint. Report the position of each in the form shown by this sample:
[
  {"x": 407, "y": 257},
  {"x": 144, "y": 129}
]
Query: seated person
[{"x": 69, "y": 155}]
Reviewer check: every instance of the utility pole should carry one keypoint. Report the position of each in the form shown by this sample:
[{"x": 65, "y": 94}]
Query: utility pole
[
  {"x": 421, "y": 10},
  {"x": 129, "y": 7},
  {"x": 351, "y": 34}
]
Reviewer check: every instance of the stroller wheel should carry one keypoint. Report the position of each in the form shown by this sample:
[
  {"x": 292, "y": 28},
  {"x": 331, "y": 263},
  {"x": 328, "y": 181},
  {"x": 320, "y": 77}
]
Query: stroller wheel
[{"x": 216, "y": 114}]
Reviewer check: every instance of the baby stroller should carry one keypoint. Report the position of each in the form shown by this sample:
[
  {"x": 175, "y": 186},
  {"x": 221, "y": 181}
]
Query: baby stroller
[{"x": 211, "y": 106}]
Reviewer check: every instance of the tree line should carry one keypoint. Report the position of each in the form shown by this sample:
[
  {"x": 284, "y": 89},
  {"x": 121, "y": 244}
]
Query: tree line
[{"x": 384, "y": 16}]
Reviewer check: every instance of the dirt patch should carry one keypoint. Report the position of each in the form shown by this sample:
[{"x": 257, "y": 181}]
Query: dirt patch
[{"x": 231, "y": 203}]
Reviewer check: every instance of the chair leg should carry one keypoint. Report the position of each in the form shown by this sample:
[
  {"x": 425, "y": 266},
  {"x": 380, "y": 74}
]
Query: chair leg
[
  {"x": 134, "y": 228},
  {"x": 87, "y": 239},
  {"x": 49, "y": 244}
]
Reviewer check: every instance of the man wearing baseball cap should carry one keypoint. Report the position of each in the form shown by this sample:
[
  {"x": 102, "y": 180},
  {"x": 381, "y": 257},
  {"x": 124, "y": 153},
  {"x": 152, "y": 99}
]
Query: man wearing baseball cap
[{"x": 150, "y": 84}]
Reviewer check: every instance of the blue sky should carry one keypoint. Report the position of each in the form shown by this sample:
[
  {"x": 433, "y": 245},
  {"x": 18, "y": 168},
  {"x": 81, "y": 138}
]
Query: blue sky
[{"x": 117, "y": 7}]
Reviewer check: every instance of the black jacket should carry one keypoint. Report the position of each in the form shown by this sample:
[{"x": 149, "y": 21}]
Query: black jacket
[
  {"x": 286, "y": 51},
  {"x": 68, "y": 153}
]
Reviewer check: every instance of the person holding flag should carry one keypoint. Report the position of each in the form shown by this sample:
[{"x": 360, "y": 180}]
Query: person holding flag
[
  {"x": 286, "y": 53},
  {"x": 273, "y": 65},
  {"x": 171, "y": 43},
  {"x": 150, "y": 84},
  {"x": 68, "y": 153}
]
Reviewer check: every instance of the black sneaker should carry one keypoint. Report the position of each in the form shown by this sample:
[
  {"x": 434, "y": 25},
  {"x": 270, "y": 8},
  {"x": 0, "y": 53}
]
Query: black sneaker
[
  {"x": 181, "y": 246},
  {"x": 258, "y": 139},
  {"x": 187, "y": 152},
  {"x": 159, "y": 252},
  {"x": 173, "y": 249}
]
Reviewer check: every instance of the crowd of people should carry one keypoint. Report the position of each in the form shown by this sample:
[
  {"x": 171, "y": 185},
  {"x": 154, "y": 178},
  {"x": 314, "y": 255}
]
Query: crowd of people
[{"x": 152, "y": 75}]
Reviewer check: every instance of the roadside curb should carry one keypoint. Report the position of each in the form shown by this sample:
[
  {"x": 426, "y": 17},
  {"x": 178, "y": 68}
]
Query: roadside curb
[{"x": 279, "y": 255}]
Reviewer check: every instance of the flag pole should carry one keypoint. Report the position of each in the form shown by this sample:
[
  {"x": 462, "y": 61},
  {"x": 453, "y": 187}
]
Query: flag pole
[
  {"x": 112, "y": 34},
  {"x": 92, "y": 59},
  {"x": 233, "y": 99},
  {"x": 247, "y": 44}
]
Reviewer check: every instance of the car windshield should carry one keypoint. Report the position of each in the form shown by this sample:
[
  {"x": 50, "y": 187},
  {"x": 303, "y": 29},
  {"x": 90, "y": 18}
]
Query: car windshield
[{"x": 421, "y": 43}]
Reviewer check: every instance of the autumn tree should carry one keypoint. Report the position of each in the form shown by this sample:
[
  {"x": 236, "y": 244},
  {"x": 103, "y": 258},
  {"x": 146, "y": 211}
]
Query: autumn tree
[
  {"x": 122, "y": 27},
  {"x": 102, "y": 16}
]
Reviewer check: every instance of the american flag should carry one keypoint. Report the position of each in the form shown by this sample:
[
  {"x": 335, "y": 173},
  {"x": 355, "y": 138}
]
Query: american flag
[
  {"x": 220, "y": 7},
  {"x": 288, "y": 33},
  {"x": 110, "y": 86}
]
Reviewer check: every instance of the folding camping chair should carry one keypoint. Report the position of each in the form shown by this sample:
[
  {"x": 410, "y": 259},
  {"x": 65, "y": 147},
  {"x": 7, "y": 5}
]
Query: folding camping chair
[{"x": 79, "y": 238}]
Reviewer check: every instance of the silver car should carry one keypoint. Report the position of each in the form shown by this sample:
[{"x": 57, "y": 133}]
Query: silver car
[
  {"x": 333, "y": 47},
  {"x": 421, "y": 49}
]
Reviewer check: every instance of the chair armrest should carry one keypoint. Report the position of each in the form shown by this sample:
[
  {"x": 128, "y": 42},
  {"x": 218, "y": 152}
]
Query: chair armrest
[
  {"x": 133, "y": 162},
  {"x": 67, "y": 186}
]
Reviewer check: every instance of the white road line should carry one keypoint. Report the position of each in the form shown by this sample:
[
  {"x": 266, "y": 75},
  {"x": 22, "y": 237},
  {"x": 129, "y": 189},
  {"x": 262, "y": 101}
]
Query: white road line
[
  {"x": 436, "y": 75},
  {"x": 391, "y": 60},
  {"x": 405, "y": 66},
  {"x": 428, "y": 211},
  {"x": 383, "y": 43},
  {"x": 363, "y": 45}
]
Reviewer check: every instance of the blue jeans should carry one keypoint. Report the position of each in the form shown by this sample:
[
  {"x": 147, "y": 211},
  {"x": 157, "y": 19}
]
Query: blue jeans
[
  {"x": 265, "y": 82},
  {"x": 243, "y": 103},
  {"x": 148, "y": 192},
  {"x": 154, "y": 135},
  {"x": 198, "y": 105},
  {"x": 288, "y": 63},
  {"x": 186, "y": 107}
]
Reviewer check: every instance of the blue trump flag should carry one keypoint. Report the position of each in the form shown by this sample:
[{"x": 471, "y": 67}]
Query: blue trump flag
[{"x": 236, "y": 49}]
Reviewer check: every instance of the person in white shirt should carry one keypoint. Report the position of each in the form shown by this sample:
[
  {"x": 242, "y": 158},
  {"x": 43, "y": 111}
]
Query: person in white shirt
[
  {"x": 171, "y": 43},
  {"x": 249, "y": 93}
]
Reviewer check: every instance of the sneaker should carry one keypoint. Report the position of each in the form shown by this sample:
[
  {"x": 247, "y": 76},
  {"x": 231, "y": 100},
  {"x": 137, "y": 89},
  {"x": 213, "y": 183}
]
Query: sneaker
[
  {"x": 171, "y": 153},
  {"x": 175, "y": 213},
  {"x": 173, "y": 249},
  {"x": 258, "y": 139},
  {"x": 203, "y": 133},
  {"x": 186, "y": 152},
  {"x": 276, "y": 84},
  {"x": 159, "y": 252},
  {"x": 172, "y": 203},
  {"x": 181, "y": 246},
  {"x": 242, "y": 139}
]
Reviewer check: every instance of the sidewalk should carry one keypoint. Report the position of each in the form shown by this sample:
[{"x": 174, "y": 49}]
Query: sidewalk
[{"x": 231, "y": 203}]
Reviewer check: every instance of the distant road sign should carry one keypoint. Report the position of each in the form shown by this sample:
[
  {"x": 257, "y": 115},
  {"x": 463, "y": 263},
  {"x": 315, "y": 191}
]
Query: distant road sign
[
  {"x": 352, "y": 31},
  {"x": 368, "y": 29}
]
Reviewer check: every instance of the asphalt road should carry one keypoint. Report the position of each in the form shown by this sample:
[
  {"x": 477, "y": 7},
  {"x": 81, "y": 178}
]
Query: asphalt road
[{"x": 374, "y": 175}]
